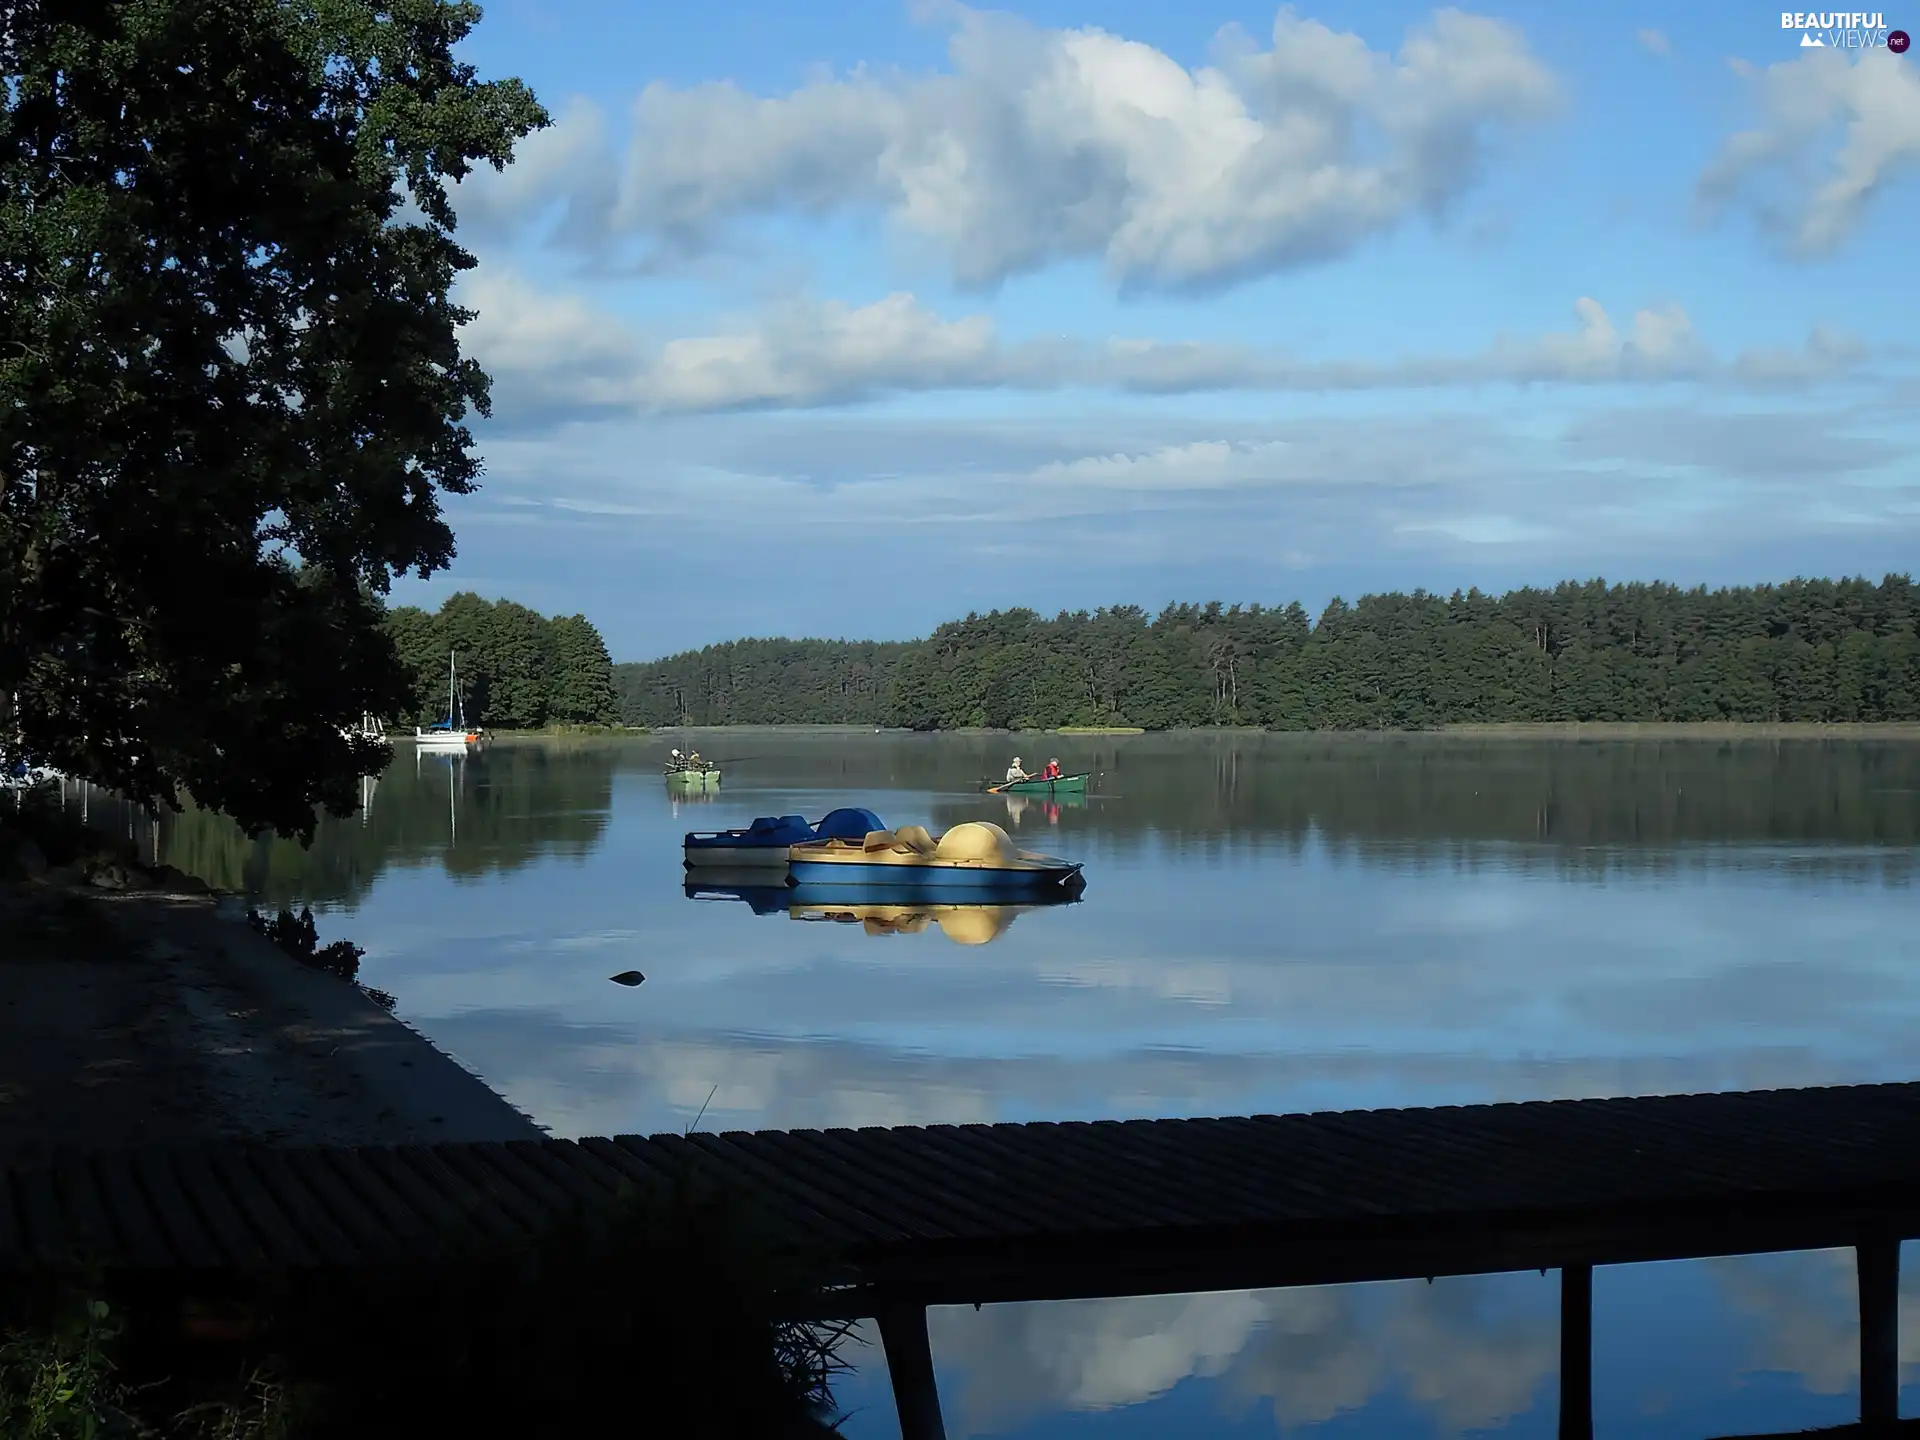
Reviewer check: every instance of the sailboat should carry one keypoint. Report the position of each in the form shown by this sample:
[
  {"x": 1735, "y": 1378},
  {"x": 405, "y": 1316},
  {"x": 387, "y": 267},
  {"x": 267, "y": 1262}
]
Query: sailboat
[{"x": 449, "y": 736}]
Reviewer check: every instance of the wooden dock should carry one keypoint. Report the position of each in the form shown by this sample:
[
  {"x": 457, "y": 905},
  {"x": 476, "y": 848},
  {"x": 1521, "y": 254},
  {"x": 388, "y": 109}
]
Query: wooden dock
[{"x": 919, "y": 1216}]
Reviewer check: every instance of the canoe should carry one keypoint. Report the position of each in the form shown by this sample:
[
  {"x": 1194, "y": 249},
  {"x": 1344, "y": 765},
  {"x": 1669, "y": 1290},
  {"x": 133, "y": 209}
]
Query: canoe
[
  {"x": 1065, "y": 785},
  {"x": 976, "y": 859},
  {"x": 764, "y": 844}
]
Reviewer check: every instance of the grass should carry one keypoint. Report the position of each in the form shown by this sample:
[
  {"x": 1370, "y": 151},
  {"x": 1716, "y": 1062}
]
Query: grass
[
  {"x": 56, "y": 1379},
  {"x": 553, "y": 732},
  {"x": 663, "y": 1316},
  {"x": 1690, "y": 729},
  {"x": 1100, "y": 730}
]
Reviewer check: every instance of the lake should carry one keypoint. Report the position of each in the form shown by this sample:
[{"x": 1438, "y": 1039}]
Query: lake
[{"x": 1270, "y": 923}]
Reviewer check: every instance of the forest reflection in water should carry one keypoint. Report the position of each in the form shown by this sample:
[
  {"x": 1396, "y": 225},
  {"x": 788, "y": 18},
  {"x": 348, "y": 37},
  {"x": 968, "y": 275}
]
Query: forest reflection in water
[
  {"x": 1593, "y": 806},
  {"x": 1271, "y": 923}
]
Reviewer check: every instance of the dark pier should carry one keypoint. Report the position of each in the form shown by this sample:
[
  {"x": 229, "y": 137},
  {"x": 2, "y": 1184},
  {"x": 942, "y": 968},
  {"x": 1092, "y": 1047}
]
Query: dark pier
[{"x": 975, "y": 1214}]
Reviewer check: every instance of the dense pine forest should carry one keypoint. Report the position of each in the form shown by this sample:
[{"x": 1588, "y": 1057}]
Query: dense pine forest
[
  {"x": 1807, "y": 650},
  {"x": 518, "y": 669}
]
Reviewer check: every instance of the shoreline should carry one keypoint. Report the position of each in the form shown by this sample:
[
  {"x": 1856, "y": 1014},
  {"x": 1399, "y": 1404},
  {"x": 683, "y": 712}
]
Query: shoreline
[
  {"x": 157, "y": 1016},
  {"x": 1516, "y": 730}
]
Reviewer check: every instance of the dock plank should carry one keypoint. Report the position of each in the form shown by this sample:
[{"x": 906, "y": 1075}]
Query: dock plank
[{"x": 949, "y": 1213}]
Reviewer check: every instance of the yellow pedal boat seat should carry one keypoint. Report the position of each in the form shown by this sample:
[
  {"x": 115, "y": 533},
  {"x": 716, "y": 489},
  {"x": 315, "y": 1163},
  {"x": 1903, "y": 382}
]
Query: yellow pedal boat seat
[{"x": 977, "y": 840}]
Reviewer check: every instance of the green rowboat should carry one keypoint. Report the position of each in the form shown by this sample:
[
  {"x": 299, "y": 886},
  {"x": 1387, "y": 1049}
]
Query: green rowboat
[
  {"x": 694, "y": 779},
  {"x": 1065, "y": 785}
]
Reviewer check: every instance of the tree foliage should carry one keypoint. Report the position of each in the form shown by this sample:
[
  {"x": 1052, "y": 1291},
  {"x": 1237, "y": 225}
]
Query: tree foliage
[
  {"x": 762, "y": 682},
  {"x": 516, "y": 670},
  {"x": 1809, "y": 650},
  {"x": 231, "y": 385}
]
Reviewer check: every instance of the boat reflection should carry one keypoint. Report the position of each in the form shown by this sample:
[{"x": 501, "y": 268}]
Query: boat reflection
[
  {"x": 964, "y": 924},
  {"x": 679, "y": 795},
  {"x": 1021, "y": 808}
]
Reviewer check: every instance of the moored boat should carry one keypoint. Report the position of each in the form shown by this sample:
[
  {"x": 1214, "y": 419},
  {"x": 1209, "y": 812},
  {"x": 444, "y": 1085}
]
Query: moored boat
[
  {"x": 448, "y": 735},
  {"x": 764, "y": 844},
  {"x": 976, "y": 857}
]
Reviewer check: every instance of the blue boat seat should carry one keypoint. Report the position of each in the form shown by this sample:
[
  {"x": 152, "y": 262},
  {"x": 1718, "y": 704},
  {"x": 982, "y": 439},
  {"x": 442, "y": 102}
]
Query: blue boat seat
[
  {"x": 780, "y": 829},
  {"x": 850, "y": 823}
]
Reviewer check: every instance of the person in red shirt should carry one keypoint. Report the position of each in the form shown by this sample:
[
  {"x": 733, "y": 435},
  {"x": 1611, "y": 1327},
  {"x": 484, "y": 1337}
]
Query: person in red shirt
[{"x": 1052, "y": 770}]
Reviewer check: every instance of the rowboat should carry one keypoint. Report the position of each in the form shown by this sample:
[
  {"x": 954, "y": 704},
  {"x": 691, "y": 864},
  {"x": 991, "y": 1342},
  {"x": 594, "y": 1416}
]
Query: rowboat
[
  {"x": 763, "y": 845},
  {"x": 686, "y": 778},
  {"x": 1062, "y": 785},
  {"x": 976, "y": 859}
]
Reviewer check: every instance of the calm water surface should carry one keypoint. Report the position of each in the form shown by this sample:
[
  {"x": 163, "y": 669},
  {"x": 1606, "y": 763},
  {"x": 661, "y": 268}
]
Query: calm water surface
[{"x": 1270, "y": 923}]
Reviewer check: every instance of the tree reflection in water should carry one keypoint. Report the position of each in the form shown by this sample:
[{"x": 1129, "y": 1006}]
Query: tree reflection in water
[{"x": 505, "y": 806}]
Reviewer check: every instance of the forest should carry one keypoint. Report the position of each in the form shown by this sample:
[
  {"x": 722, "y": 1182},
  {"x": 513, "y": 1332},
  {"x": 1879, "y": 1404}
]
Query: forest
[
  {"x": 517, "y": 669},
  {"x": 1808, "y": 650}
]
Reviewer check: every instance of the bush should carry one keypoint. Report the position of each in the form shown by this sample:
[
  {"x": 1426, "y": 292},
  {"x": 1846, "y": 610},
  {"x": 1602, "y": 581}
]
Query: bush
[
  {"x": 61, "y": 836},
  {"x": 300, "y": 938},
  {"x": 660, "y": 1317}
]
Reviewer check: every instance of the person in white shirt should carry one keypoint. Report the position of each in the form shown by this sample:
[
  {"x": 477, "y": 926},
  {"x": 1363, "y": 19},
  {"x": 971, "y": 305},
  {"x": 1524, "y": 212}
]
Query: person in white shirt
[{"x": 1014, "y": 772}]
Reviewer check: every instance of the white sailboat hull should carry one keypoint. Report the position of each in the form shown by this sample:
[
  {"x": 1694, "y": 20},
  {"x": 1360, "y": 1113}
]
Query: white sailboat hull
[{"x": 441, "y": 740}]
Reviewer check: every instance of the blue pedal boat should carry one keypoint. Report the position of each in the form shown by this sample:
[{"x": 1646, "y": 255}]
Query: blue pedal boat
[
  {"x": 764, "y": 845},
  {"x": 976, "y": 860}
]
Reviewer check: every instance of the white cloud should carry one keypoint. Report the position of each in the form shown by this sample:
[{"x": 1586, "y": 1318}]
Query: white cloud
[
  {"x": 808, "y": 353},
  {"x": 1655, "y": 42},
  {"x": 570, "y": 164},
  {"x": 1483, "y": 530},
  {"x": 1043, "y": 145},
  {"x": 1862, "y": 116},
  {"x": 1199, "y": 464},
  {"x": 1310, "y": 1354},
  {"x": 555, "y": 357}
]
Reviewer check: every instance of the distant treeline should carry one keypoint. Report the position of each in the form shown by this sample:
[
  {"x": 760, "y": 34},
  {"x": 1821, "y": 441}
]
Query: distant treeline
[
  {"x": 764, "y": 682},
  {"x": 517, "y": 669},
  {"x": 1808, "y": 650}
]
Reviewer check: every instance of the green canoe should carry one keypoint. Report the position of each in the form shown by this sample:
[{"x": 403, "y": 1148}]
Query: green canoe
[{"x": 1065, "y": 785}]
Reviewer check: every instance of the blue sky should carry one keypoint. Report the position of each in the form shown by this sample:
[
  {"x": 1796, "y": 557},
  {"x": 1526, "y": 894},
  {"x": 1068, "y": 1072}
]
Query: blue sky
[{"x": 845, "y": 319}]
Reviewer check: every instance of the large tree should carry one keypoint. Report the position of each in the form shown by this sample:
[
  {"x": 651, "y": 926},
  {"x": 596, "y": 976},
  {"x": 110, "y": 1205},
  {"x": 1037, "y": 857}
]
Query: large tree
[
  {"x": 583, "y": 692},
  {"x": 231, "y": 384}
]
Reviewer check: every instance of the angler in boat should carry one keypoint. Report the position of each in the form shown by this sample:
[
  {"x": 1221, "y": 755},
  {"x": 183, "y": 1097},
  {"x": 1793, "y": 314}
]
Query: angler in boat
[{"x": 691, "y": 770}]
